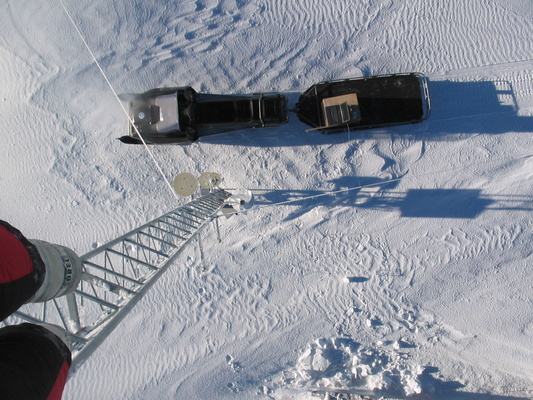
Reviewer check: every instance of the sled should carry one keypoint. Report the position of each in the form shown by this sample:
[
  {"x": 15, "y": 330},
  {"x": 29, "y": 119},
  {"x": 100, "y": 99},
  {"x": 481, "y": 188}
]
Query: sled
[{"x": 362, "y": 103}]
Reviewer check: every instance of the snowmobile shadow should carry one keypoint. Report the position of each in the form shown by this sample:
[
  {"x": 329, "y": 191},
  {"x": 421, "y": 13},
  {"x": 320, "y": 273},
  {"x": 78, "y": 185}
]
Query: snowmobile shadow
[
  {"x": 450, "y": 203},
  {"x": 443, "y": 203},
  {"x": 486, "y": 107},
  {"x": 377, "y": 194},
  {"x": 457, "y": 108},
  {"x": 450, "y": 390}
]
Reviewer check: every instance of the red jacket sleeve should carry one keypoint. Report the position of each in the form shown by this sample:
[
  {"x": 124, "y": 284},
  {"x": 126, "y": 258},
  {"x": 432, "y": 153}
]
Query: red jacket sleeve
[{"x": 21, "y": 270}]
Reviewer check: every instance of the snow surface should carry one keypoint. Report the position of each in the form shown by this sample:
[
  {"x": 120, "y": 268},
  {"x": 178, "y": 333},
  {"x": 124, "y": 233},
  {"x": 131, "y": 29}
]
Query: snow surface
[{"x": 418, "y": 288}]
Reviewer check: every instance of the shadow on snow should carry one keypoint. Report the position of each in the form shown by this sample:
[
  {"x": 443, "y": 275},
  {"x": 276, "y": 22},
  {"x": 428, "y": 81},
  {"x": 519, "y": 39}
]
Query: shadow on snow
[
  {"x": 378, "y": 194},
  {"x": 443, "y": 390}
]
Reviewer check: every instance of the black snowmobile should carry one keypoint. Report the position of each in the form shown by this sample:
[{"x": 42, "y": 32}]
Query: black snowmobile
[{"x": 181, "y": 115}]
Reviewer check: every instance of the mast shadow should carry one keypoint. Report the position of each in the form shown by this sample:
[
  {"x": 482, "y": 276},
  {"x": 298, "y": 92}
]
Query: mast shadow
[{"x": 378, "y": 194}]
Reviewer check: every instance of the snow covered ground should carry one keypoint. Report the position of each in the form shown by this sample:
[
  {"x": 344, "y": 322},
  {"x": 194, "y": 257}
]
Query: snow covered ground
[{"x": 418, "y": 286}]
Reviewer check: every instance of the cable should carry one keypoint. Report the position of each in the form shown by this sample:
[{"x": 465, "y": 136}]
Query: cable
[{"x": 118, "y": 98}]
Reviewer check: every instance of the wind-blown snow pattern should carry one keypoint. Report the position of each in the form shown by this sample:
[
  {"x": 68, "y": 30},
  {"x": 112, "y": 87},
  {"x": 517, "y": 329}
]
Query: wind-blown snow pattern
[{"x": 415, "y": 285}]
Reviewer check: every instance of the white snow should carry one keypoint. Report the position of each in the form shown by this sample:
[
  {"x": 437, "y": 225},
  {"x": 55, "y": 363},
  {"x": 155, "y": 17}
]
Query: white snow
[{"x": 420, "y": 286}]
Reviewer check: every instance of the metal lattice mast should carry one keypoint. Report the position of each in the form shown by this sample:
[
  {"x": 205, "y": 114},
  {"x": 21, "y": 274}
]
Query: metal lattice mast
[{"x": 118, "y": 274}]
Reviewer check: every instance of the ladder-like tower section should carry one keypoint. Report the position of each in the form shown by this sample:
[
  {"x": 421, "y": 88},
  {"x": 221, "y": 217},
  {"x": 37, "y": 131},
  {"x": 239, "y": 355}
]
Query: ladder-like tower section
[{"x": 117, "y": 274}]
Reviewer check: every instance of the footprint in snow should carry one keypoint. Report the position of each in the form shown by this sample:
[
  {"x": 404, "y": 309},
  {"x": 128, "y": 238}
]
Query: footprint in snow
[{"x": 234, "y": 365}]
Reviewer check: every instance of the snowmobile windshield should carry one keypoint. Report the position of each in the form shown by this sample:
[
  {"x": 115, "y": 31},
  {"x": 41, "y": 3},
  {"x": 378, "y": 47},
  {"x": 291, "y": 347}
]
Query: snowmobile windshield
[{"x": 168, "y": 113}]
